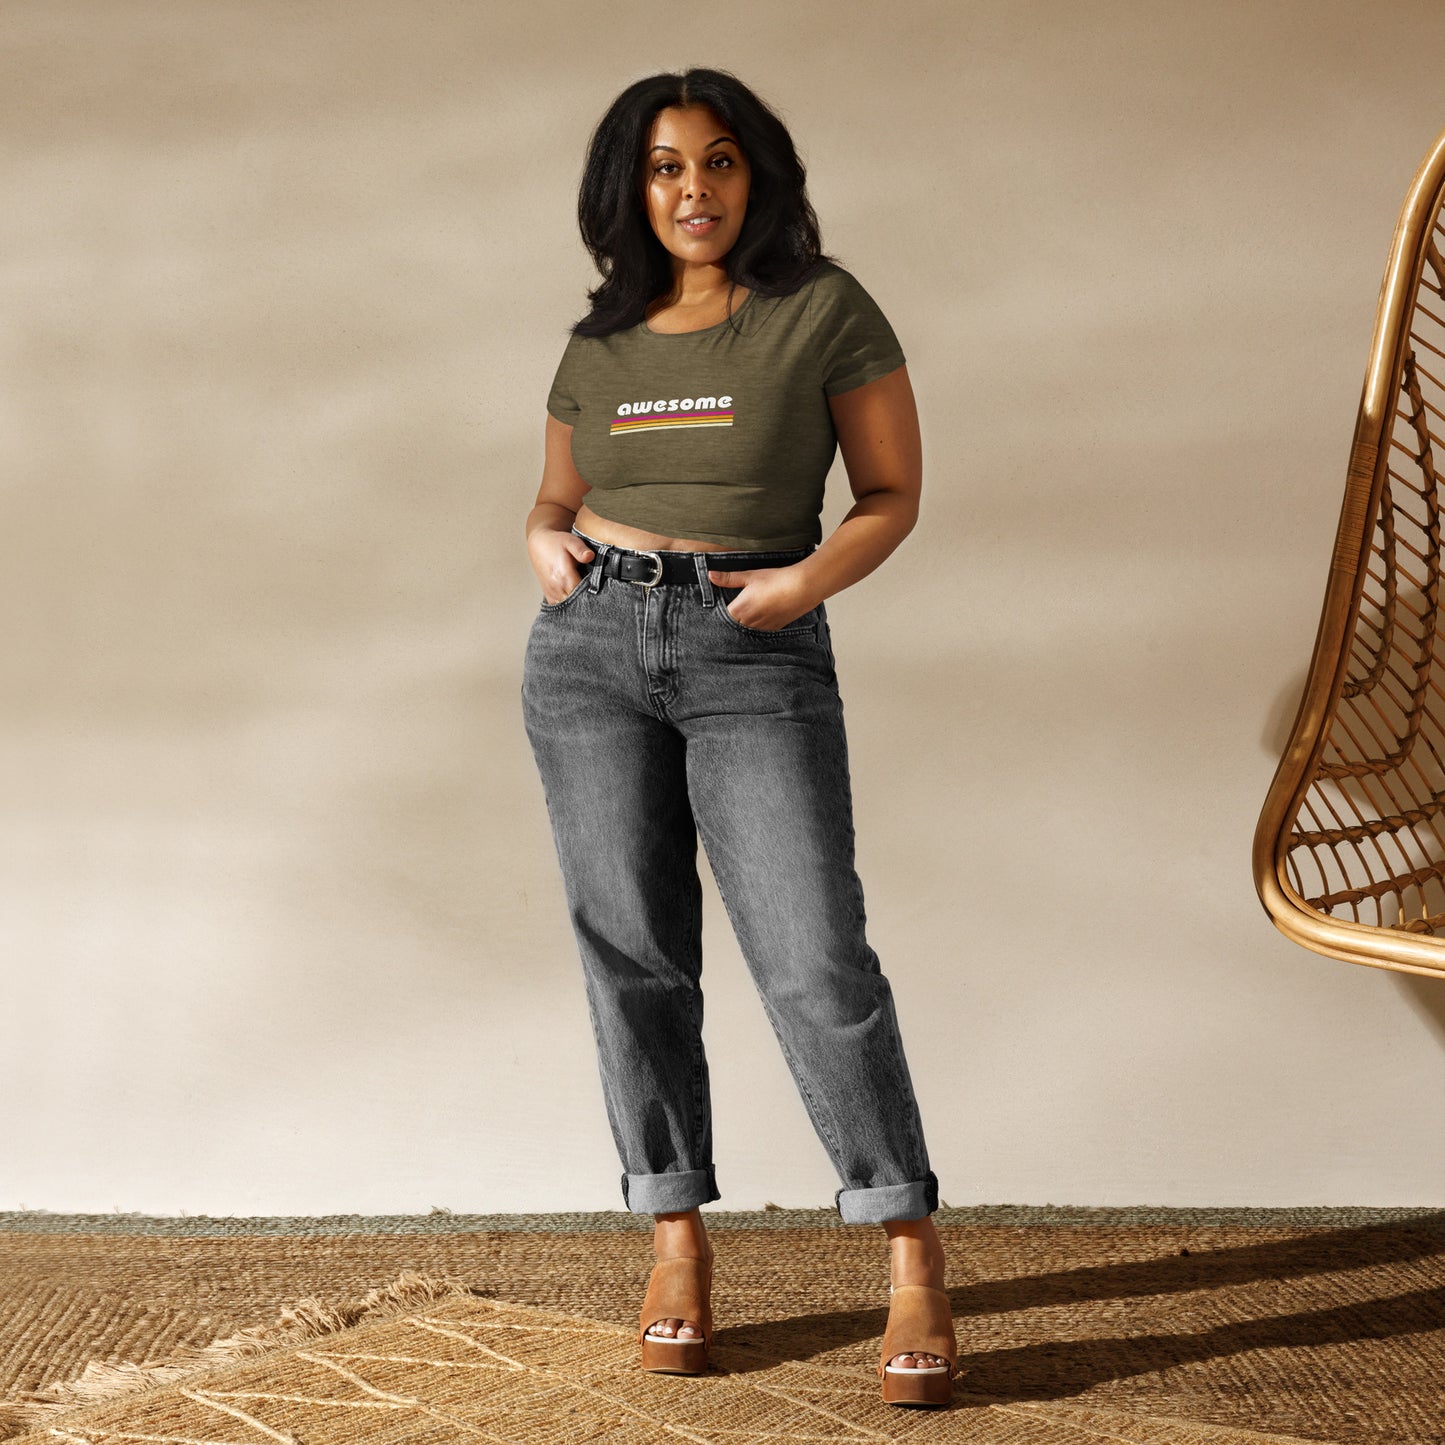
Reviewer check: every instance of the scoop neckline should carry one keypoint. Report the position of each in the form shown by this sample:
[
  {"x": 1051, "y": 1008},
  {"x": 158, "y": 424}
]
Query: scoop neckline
[{"x": 701, "y": 330}]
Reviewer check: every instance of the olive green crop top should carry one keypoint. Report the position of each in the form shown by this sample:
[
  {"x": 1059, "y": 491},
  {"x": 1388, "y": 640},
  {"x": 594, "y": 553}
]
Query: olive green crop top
[{"x": 721, "y": 435}]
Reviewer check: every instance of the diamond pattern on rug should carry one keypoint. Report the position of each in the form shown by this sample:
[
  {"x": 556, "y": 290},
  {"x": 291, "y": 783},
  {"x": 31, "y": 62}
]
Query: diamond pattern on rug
[{"x": 465, "y": 1368}]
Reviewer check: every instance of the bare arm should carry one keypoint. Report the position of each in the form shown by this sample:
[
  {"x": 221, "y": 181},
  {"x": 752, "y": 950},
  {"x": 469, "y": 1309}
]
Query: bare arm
[
  {"x": 882, "y": 448},
  {"x": 553, "y": 548}
]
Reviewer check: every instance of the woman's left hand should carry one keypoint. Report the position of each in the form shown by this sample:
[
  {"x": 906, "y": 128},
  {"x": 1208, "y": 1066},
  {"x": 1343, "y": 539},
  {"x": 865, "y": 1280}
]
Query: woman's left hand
[{"x": 770, "y": 599}]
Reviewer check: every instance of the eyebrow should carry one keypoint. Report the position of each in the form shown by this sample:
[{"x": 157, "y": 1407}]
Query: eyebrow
[{"x": 708, "y": 146}]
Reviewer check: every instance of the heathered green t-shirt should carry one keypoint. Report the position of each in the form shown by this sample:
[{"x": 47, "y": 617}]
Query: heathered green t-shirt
[{"x": 723, "y": 435}]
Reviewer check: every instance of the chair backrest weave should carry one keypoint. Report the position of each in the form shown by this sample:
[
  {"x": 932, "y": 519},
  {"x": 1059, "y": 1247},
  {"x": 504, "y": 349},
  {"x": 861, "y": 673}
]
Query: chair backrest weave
[{"x": 1349, "y": 854}]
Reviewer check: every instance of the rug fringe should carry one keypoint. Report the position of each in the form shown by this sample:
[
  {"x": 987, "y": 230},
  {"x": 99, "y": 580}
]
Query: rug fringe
[{"x": 297, "y": 1324}]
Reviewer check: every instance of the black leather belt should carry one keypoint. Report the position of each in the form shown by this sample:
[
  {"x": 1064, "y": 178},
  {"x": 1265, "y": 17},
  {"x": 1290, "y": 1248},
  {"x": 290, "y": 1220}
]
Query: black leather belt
[{"x": 653, "y": 568}]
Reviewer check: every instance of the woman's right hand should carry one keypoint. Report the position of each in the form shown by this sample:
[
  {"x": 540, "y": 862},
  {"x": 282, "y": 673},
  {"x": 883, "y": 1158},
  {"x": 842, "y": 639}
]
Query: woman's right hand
[{"x": 557, "y": 558}]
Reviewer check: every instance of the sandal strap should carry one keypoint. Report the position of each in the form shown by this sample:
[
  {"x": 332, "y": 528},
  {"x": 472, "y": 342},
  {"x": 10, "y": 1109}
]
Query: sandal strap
[
  {"x": 920, "y": 1318},
  {"x": 680, "y": 1288}
]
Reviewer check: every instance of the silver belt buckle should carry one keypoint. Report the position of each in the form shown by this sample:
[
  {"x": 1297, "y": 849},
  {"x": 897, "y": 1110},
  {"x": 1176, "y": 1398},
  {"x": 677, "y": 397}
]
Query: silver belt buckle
[{"x": 655, "y": 580}]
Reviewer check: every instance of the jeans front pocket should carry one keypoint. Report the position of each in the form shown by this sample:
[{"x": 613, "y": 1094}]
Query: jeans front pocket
[
  {"x": 572, "y": 595},
  {"x": 805, "y": 625}
]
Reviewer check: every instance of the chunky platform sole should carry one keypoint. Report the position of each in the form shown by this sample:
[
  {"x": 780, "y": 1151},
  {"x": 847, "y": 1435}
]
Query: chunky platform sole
[
  {"x": 905, "y": 1387},
  {"x": 674, "y": 1357}
]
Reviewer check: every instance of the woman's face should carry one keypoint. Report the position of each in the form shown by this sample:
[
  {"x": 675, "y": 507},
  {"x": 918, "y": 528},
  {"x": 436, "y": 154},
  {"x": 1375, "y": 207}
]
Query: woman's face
[{"x": 694, "y": 167}]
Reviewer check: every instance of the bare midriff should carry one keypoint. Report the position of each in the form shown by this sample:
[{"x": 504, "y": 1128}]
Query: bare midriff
[{"x": 621, "y": 536}]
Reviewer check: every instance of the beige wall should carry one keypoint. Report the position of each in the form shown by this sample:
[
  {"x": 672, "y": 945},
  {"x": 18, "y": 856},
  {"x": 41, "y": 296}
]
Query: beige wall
[{"x": 284, "y": 289}]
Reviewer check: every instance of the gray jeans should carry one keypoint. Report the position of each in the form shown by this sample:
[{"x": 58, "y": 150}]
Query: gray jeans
[{"x": 654, "y": 717}]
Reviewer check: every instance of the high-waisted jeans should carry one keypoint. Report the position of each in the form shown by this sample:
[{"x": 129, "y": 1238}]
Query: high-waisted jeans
[{"x": 655, "y": 716}]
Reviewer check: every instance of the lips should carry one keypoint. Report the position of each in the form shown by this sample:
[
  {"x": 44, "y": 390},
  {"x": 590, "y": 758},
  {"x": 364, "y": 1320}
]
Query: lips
[{"x": 699, "y": 224}]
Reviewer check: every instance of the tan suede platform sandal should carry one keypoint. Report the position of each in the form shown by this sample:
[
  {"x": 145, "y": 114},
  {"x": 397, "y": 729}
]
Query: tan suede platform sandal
[
  {"x": 680, "y": 1288},
  {"x": 919, "y": 1318}
]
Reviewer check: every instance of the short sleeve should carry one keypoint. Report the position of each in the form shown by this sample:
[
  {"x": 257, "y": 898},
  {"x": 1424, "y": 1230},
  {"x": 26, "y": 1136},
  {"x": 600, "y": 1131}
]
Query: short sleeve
[
  {"x": 852, "y": 337},
  {"x": 563, "y": 401}
]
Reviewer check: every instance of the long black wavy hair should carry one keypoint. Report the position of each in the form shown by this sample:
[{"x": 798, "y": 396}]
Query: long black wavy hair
[{"x": 779, "y": 245}]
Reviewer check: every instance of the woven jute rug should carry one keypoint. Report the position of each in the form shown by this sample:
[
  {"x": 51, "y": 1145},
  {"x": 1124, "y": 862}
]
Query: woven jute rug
[{"x": 1157, "y": 1327}]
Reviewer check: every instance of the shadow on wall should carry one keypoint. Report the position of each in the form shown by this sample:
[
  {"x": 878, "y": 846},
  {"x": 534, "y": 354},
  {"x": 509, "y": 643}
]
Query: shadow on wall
[
  {"x": 1280, "y": 722},
  {"x": 1427, "y": 997}
]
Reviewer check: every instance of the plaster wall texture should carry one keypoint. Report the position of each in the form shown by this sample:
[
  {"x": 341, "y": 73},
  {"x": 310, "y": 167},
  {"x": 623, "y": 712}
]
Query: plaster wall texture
[{"x": 280, "y": 921}]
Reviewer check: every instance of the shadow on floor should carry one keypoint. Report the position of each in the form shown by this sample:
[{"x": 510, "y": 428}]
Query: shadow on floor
[{"x": 1062, "y": 1368}]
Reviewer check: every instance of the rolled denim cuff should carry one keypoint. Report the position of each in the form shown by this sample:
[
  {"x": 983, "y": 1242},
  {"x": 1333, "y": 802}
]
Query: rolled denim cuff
[
  {"x": 888, "y": 1201},
  {"x": 669, "y": 1193}
]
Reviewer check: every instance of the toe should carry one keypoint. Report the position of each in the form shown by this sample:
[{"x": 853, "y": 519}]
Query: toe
[{"x": 915, "y": 1361}]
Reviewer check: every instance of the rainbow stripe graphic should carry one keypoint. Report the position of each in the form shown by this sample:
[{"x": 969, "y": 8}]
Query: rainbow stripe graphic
[{"x": 651, "y": 422}]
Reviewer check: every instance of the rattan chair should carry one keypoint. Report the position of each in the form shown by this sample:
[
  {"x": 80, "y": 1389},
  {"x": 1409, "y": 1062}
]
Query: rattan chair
[{"x": 1349, "y": 854}]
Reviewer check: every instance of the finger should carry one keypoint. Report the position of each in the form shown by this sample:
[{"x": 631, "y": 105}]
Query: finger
[
  {"x": 726, "y": 579},
  {"x": 582, "y": 552},
  {"x": 567, "y": 580}
]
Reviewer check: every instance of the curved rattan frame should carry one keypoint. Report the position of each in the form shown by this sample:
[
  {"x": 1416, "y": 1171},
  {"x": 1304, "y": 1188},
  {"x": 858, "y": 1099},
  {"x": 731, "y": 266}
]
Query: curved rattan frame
[{"x": 1405, "y": 948}]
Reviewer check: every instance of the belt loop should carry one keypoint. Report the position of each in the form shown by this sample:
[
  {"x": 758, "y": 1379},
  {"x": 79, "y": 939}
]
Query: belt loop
[
  {"x": 598, "y": 564},
  {"x": 704, "y": 582}
]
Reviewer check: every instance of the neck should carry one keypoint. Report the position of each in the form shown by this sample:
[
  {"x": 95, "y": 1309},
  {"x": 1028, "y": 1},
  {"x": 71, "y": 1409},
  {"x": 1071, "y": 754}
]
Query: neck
[{"x": 696, "y": 284}]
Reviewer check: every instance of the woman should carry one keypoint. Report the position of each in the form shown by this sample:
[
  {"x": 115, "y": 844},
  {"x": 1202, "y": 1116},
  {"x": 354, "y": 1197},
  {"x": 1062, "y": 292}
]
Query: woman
[{"x": 679, "y": 677}]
